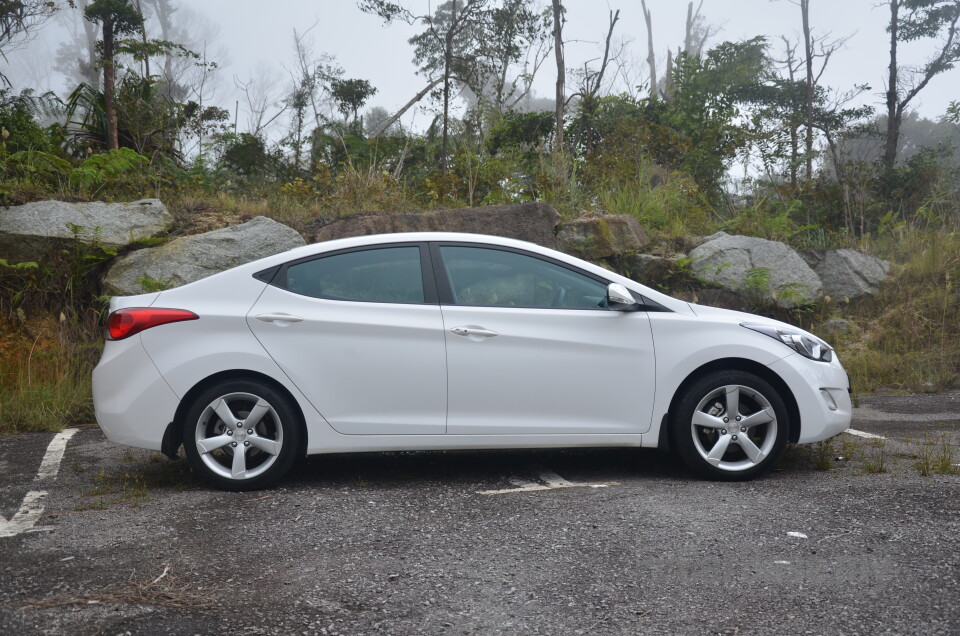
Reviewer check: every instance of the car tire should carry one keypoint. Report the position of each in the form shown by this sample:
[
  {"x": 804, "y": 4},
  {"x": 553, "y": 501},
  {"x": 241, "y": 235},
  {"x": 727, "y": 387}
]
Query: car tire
[
  {"x": 241, "y": 435},
  {"x": 730, "y": 426}
]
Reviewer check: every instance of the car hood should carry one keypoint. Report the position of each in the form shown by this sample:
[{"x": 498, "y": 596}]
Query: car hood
[{"x": 737, "y": 317}]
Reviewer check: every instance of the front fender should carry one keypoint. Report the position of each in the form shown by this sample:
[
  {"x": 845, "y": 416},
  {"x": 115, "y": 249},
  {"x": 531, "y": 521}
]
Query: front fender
[{"x": 686, "y": 343}]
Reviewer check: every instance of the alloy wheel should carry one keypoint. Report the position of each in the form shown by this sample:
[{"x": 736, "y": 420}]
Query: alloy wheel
[{"x": 239, "y": 436}]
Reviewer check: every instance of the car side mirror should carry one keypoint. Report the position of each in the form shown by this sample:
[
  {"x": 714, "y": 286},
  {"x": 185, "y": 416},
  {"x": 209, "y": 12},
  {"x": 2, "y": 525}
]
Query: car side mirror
[{"x": 619, "y": 298}]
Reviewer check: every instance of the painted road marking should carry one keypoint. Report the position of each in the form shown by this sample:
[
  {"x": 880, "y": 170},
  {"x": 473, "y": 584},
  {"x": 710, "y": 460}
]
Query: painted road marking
[
  {"x": 549, "y": 480},
  {"x": 876, "y": 415},
  {"x": 854, "y": 431},
  {"x": 32, "y": 506},
  {"x": 54, "y": 455}
]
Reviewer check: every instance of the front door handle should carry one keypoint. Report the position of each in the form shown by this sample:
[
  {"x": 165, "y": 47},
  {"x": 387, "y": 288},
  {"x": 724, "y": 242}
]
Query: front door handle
[
  {"x": 279, "y": 318},
  {"x": 474, "y": 331}
]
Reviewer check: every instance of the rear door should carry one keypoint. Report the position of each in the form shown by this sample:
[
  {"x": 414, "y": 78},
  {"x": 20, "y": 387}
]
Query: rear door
[{"x": 360, "y": 333}]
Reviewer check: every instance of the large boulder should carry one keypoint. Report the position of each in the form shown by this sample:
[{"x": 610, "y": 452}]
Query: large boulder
[
  {"x": 758, "y": 269},
  {"x": 533, "y": 222},
  {"x": 649, "y": 269},
  {"x": 189, "y": 258},
  {"x": 847, "y": 274},
  {"x": 31, "y": 231},
  {"x": 600, "y": 237}
]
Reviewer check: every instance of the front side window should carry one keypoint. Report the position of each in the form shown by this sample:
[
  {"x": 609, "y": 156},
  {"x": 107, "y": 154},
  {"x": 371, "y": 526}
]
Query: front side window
[
  {"x": 386, "y": 275},
  {"x": 496, "y": 278}
]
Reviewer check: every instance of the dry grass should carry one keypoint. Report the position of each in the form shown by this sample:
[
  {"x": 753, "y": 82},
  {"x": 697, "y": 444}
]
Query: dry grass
[
  {"x": 936, "y": 457},
  {"x": 163, "y": 590},
  {"x": 133, "y": 487},
  {"x": 45, "y": 372},
  {"x": 911, "y": 330}
]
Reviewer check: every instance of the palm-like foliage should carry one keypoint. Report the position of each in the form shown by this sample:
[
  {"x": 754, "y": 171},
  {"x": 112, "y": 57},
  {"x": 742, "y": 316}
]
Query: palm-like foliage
[{"x": 147, "y": 120}]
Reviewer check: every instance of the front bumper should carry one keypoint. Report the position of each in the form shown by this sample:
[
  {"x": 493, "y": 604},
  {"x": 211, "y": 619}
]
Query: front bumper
[{"x": 821, "y": 390}]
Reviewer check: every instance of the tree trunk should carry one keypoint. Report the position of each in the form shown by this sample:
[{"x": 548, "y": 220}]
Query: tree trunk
[
  {"x": 447, "y": 63},
  {"x": 143, "y": 38},
  {"x": 595, "y": 89},
  {"x": 90, "y": 31},
  {"x": 668, "y": 78},
  {"x": 561, "y": 72},
  {"x": 109, "y": 75},
  {"x": 406, "y": 107},
  {"x": 164, "y": 17},
  {"x": 808, "y": 50},
  {"x": 794, "y": 155},
  {"x": 894, "y": 113},
  {"x": 651, "y": 56},
  {"x": 794, "y": 126}
]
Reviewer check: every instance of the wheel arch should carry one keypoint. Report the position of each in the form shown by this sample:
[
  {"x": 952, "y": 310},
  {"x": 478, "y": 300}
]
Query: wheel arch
[
  {"x": 736, "y": 364},
  {"x": 173, "y": 436}
]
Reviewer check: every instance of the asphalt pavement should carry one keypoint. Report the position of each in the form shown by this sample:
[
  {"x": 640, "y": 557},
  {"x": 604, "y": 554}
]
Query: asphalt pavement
[{"x": 859, "y": 536}]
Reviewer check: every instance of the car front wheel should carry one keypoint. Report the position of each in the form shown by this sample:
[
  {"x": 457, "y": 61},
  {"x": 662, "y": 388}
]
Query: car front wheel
[
  {"x": 730, "y": 426},
  {"x": 241, "y": 435}
]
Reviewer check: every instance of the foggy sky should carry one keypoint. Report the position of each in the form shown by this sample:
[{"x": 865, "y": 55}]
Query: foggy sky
[{"x": 252, "y": 38}]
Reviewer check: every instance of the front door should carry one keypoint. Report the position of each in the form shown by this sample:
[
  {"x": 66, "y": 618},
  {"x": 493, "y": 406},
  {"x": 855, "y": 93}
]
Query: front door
[{"x": 532, "y": 348}]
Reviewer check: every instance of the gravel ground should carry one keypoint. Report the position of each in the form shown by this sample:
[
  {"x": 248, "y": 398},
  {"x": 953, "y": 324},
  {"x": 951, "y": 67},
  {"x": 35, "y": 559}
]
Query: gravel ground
[{"x": 849, "y": 538}]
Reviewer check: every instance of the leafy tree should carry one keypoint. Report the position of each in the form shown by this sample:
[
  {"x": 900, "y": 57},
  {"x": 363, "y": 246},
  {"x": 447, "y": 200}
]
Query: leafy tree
[
  {"x": 910, "y": 21},
  {"x": 247, "y": 156},
  {"x": 116, "y": 17},
  {"x": 19, "y": 128},
  {"x": 520, "y": 130},
  {"x": 77, "y": 58},
  {"x": 19, "y": 17},
  {"x": 953, "y": 112},
  {"x": 446, "y": 50},
  {"x": 560, "y": 99},
  {"x": 449, "y": 47},
  {"x": 148, "y": 119},
  {"x": 709, "y": 95},
  {"x": 351, "y": 94},
  {"x": 515, "y": 36}
]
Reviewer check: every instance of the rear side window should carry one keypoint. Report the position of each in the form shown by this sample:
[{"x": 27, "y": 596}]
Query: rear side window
[{"x": 386, "y": 275}]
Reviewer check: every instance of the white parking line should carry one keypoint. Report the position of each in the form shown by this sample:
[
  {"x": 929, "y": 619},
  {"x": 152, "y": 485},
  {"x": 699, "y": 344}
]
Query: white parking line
[
  {"x": 551, "y": 481},
  {"x": 32, "y": 506},
  {"x": 853, "y": 431},
  {"x": 52, "y": 458}
]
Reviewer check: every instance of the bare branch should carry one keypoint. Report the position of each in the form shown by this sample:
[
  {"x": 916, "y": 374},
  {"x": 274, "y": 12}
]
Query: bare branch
[{"x": 416, "y": 98}]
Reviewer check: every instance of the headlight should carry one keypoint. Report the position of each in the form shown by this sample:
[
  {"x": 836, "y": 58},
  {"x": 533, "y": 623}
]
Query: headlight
[{"x": 804, "y": 344}]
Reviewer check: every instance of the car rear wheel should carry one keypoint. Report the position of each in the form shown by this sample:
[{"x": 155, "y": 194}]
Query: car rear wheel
[
  {"x": 730, "y": 426},
  {"x": 241, "y": 435}
]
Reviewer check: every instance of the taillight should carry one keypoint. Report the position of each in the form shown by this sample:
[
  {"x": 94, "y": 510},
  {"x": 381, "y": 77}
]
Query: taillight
[{"x": 124, "y": 323}]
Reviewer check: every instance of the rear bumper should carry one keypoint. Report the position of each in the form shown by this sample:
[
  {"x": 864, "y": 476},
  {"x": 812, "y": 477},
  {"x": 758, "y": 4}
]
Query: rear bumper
[
  {"x": 821, "y": 390},
  {"x": 132, "y": 402}
]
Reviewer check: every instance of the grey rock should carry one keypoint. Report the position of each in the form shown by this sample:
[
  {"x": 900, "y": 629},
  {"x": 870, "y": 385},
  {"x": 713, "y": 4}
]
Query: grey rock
[
  {"x": 731, "y": 262},
  {"x": 600, "y": 237},
  {"x": 647, "y": 268},
  {"x": 839, "y": 327},
  {"x": 712, "y": 297},
  {"x": 533, "y": 222},
  {"x": 847, "y": 274},
  {"x": 34, "y": 230},
  {"x": 189, "y": 258}
]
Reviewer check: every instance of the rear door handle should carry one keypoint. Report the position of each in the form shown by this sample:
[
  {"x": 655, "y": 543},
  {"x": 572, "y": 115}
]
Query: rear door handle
[
  {"x": 474, "y": 331},
  {"x": 279, "y": 318}
]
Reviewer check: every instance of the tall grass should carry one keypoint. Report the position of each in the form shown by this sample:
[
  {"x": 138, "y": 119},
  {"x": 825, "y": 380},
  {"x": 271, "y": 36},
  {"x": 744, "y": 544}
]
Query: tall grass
[
  {"x": 912, "y": 328},
  {"x": 45, "y": 380},
  {"x": 668, "y": 203}
]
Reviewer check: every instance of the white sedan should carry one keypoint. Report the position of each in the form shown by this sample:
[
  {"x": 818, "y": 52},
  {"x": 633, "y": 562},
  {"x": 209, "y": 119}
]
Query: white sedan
[{"x": 452, "y": 341}]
